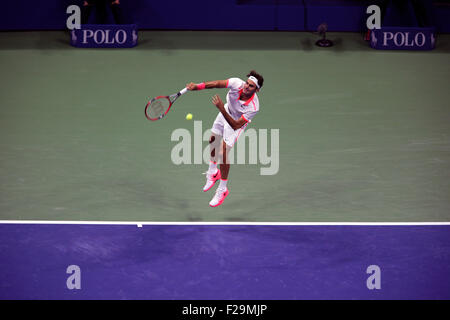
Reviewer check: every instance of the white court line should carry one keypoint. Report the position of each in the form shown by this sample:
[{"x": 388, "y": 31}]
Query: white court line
[{"x": 224, "y": 223}]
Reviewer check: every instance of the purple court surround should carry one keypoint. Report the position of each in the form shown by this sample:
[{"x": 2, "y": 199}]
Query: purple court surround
[{"x": 221, "y": 262}]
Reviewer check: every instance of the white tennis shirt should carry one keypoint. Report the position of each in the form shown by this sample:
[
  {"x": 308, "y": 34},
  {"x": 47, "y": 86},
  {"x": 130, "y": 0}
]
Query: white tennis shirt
[{"x": 237, "y": 108}]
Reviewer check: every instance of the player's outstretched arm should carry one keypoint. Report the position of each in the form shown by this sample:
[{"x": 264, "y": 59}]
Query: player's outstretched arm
[{"x": 207, "y": 85}]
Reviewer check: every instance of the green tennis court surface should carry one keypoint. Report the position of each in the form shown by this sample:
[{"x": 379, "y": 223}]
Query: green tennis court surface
[{"x": 364, "y": 135}]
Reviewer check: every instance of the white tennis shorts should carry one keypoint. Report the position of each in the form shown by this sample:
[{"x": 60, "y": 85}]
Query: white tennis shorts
[{"x": 222, "y": 128}]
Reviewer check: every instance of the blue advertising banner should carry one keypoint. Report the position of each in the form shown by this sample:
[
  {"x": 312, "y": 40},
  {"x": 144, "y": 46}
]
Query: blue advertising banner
[
  {"x": 402, "y": 38},
  {"x": 105, "y": 36}
]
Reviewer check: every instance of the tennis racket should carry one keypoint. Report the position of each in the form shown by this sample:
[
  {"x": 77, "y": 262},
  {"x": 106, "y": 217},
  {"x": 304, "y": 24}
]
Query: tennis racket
[{"x": 158, "y": 107}]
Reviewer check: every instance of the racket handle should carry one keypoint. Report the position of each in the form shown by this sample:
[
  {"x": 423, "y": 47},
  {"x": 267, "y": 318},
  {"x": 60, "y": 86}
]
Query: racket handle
[{"x": 183, "y": 91}]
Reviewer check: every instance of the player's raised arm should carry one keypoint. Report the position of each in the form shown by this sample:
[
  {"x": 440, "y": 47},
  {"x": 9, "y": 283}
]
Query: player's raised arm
[{"x": 207, "y": 85}]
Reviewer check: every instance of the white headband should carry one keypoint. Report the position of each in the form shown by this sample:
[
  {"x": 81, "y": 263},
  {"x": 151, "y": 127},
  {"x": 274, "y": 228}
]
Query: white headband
[{"x": 254, "y": 80}]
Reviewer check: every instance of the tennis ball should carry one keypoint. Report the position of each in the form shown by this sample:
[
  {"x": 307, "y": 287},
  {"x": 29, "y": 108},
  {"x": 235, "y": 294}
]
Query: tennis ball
[{"x": 189, "y": 116}]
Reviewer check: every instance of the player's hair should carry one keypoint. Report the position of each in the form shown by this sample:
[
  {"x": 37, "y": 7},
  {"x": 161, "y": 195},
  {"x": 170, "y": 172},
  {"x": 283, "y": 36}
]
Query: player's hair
[{"x": 257, "y": 76}]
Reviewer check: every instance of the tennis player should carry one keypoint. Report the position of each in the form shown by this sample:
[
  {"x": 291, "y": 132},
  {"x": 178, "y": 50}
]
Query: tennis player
[{"x": 241, "y": 106}]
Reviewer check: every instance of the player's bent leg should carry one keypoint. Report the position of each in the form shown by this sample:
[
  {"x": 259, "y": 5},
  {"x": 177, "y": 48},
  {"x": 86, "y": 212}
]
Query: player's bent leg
[
  {"x": 214, "y": 144},
  {"x": 224, "y": 164},
  {"x": 213, "y": 174},
  {"x": 222, "y": 190}
]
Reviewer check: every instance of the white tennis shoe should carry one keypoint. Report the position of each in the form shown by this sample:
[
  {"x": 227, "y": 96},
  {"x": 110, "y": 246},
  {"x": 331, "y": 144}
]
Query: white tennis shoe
[
  {"x": 211, "y": 179},
  {"x": 218, "y": 198}
]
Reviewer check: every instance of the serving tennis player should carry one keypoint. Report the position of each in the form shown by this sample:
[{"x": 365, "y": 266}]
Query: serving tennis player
[{"x": 241, "y": 106}]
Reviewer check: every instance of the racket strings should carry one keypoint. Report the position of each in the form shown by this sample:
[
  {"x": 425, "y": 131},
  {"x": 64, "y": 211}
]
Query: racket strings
[{"x": 158, "y": 108}]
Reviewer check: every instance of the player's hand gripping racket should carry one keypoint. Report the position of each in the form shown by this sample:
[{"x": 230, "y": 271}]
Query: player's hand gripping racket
[{"x": 158, "y": 107}]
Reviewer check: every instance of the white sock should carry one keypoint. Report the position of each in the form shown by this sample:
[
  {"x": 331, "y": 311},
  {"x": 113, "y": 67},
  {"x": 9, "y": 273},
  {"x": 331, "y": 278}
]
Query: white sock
[
  {"x": 223, "y": 184},
  {"x": 212, "y": 167}
]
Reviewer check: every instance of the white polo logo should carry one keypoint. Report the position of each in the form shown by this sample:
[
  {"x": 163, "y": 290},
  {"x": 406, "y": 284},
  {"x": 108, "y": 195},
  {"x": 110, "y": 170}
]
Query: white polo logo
[
  {"x": 105, "y": 36},
  {"x": 401, "y": 39}
]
